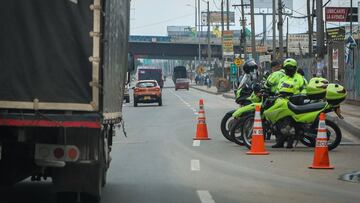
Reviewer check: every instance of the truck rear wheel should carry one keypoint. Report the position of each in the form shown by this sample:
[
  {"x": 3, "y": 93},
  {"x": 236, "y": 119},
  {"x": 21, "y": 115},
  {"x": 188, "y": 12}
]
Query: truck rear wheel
[
  {"x": 88, "y": 198},
  {"x": 67, "y": 197}
]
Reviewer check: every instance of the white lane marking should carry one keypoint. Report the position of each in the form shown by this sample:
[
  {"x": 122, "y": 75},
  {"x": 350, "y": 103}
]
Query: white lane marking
[
  {"x": 186, "y": 103},
  {"x": 196, "y": 143},
  {"x": 205, "y": 196},
  {"x": 195, "y": 165}
]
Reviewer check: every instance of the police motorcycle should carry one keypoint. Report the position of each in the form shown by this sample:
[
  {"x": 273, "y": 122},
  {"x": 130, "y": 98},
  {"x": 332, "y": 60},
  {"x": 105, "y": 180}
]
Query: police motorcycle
[
  {"x": 244, "y": 95},
  {"x": 280, "y": 116}
]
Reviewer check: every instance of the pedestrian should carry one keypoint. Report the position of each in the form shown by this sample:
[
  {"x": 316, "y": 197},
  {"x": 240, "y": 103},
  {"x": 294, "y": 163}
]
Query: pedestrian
[{"x": 208, "y": 82}]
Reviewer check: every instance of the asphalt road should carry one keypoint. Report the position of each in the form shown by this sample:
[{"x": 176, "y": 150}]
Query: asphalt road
[{"x": 158, "y": 162}]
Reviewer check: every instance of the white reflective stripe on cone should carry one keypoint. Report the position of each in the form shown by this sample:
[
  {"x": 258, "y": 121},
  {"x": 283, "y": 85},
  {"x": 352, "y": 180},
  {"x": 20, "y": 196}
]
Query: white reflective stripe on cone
[{"x": 321, "y": 143}]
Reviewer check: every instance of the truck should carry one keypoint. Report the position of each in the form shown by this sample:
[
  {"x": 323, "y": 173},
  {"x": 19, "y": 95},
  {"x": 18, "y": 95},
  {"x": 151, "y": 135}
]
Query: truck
[
  {"x": 150, "y": 73},
  {"x": 63, "y": 71},
  {"x": 179, "y": 72}
]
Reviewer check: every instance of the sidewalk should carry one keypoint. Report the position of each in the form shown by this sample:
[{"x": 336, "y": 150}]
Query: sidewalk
[
  {"x": 351, "y": 121},
  {"x": 351, "y": 114},
  {"x": 204, "y": 88}
]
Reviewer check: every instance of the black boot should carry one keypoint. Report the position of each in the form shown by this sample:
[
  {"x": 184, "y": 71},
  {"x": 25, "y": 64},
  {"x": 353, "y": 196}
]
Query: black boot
[
  {"x": 279, "y": 142},
  {"x": 290, "y": 142}
]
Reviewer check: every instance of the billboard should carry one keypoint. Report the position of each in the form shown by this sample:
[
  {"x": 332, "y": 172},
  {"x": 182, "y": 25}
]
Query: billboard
[
  {"x": 299, "y": 43},
  {"x": 215, "y": 18},
  {"x": 268, "y": 3},
  {"x": 341, "y": 14}
]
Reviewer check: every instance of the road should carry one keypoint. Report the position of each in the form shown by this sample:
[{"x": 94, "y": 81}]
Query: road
[{"x": 158, "y": 162}]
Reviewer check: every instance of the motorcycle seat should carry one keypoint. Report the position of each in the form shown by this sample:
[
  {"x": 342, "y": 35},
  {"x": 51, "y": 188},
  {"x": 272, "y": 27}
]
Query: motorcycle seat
[{"x": 306, "y": 108}]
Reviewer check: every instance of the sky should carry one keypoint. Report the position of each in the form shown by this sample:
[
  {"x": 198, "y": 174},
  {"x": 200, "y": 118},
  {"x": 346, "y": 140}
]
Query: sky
[{"x": 151, "y": 17}]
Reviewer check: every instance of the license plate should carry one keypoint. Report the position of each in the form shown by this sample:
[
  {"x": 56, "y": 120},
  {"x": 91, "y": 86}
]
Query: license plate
[{"x": 147, "y": 98}]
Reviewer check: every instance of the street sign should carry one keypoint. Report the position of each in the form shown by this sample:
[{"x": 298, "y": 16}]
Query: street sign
[
  {"x": 336, "y": 34},
  {"x": 233, "y": 72},
  {"x": 228, "y": 44},
  {"x": 341, "y": 14},
  {"x": 261, "y": 49},
  {"x": 238, "y": 62},
  {"x": 233, "y": 69}
]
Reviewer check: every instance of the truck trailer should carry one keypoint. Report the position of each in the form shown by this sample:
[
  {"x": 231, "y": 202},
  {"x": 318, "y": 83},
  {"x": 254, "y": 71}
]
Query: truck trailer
[{"x": 63, "y": 70}]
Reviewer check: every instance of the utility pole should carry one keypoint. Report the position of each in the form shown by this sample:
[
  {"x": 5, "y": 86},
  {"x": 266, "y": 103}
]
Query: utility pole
[
  {"x": 196, "y": 20},
  {"x": 319, "y": 30},
  {"x": 243, "y": 24},
  {"x": 199, "y": 31},
  {"x": 222, "y": 38},
  {"x": 280, "y": 27},
  {"x": 208, "y": 33},
  {"x": 264, "y": 29},
  {"x": 351, "y": 16},
  {"x": 253, "y": 46},
  {"x": 274, "y": 29},
  {"x": 310, "y": 26},
  {"x": 287, "y": 37},
  {"x": 227, "y": 15}
]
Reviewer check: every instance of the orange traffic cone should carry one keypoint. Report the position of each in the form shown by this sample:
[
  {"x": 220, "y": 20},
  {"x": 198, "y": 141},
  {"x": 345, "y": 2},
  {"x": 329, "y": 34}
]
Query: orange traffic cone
[
  {"x": 257, "y": 140},
  {"x": 321, "y": 155},
  {"x": 201, "y": 130}
]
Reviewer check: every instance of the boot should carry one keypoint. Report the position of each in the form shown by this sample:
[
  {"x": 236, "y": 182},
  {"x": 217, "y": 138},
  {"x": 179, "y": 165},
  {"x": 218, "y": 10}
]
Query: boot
[
  {"x": 279, "y": 142},
  {"x": 290, "y": 142}
]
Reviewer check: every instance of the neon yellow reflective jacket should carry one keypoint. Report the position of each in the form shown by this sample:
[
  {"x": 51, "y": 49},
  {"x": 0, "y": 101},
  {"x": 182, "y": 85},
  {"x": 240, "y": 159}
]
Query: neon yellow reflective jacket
[
  {"x": 297, "y": 80},
  {"x": 273, "y": 80}
]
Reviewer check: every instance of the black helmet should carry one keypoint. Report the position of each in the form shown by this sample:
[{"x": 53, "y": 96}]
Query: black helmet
[{"x": 249, "y": 66}]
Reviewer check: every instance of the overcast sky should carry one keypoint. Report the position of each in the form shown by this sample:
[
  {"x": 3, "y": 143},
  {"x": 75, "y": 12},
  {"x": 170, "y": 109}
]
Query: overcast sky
[{"x": 151, "y": 17}]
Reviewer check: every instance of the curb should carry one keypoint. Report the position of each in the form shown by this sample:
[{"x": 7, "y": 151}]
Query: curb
[
  {"x": 355, "y": 131},
  {"x": 207, "y": 91},
  {"x": 229, "y": 96}
]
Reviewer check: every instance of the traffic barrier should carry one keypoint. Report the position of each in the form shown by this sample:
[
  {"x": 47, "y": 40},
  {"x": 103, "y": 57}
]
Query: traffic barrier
[
  {"x": 257, "y": 139},
  {"x": 201, "y": 129},
  {"x": 321, "y": 155}
]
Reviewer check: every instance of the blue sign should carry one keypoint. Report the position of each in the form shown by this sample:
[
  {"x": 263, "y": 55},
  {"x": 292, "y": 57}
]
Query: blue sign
[{"x": 233, "y": 69}]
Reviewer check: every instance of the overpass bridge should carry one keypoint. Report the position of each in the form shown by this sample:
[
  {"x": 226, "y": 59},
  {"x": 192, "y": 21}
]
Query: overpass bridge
[{"x": 165, "y": 47}]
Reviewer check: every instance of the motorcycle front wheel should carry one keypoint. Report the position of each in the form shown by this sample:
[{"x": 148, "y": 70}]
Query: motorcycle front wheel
[
  {"x": 247, "y": 130},
  {"x": 225, "y": 126},
  {"x": 236, "y": 131}
]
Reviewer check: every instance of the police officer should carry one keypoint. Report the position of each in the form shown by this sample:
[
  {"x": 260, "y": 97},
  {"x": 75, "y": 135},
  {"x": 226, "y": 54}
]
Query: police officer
[
  {"x": 298, "y": 86},
  {"x": 277, "y": 73}
]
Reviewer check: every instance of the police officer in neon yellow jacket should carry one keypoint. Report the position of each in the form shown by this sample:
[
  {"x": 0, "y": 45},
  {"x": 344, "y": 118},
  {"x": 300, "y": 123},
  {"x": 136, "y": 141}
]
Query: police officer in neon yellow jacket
[
  {"x": 292, "y": 83},
  {"x": 292, "y": 76},
  {"x": 273, "y": 79}
]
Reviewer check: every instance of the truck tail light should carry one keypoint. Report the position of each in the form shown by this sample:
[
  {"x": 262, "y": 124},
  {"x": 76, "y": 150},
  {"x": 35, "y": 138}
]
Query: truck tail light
[
  {"x": 58, "y": 153},
  {"x": 72, "y": 153},
  {"x": 49, "y": 152}
]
